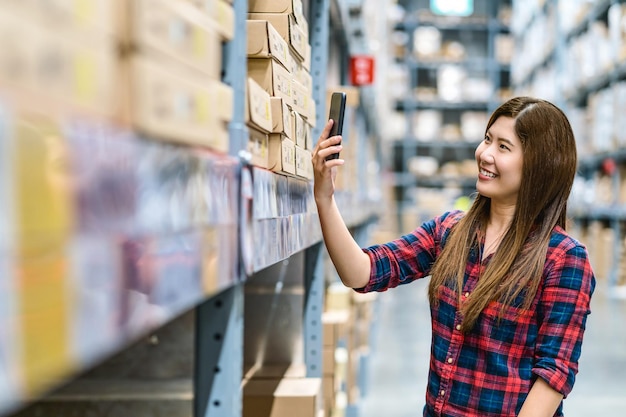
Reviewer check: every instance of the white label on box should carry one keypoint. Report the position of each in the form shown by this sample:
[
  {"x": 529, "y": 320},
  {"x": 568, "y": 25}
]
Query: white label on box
[
  {"x": 288, "y": 153},
  {"x": 278, "y": 45},
  {"x": 283, "y": 84}
]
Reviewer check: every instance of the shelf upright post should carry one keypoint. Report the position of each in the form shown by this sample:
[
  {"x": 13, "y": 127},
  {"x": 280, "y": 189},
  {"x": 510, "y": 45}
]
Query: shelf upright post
[
  {"x": 219, "y": 355},
  {"x": 313, "y": 308},
  {"x": 616, "y": 225},
  {"x": 319, "y": 31},
  {"x": 235, "y": 73},
  {"x": 219, "y": 320}
]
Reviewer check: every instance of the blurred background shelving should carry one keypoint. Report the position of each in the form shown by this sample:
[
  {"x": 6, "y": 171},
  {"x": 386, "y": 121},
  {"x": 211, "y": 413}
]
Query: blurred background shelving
[{"x": 455, "y": 70}]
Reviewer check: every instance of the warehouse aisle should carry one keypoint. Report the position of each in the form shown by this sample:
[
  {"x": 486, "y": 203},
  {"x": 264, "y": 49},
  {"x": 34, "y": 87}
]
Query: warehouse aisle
[{"x": 398, "y": 366}]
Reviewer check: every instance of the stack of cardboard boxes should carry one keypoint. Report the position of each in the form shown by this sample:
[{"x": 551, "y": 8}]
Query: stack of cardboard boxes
[
  {"x": 170, "y": 69},
  {"x": 346, "y": 339},
  {"x": 281, "y": 111},
  {"x": 281, "y": 391},
  {"x": 148, "y": 66},
  {"x": 58, "y": 56},
  {"x": 151, "y": 65}
]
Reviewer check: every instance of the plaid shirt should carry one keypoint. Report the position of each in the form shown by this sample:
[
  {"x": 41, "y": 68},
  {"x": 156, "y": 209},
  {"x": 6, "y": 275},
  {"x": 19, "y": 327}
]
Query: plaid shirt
[{"x": 490, "y": 370}]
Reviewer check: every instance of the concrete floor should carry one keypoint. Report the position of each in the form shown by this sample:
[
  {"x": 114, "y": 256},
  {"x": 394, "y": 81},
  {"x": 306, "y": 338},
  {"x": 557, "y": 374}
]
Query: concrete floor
[{"x": 398, "y": 364}]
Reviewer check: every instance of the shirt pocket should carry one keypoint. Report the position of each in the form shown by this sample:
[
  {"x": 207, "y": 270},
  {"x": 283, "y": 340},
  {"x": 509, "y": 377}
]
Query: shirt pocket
[{"x": 514, "y": 329}]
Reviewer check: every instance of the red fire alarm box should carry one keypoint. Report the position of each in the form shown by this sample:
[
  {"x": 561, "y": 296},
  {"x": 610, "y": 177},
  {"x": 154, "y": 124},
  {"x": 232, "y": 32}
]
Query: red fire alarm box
[{"x": 361, "y": 69}]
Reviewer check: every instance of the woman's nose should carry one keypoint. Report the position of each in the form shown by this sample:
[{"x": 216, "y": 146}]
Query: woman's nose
[{"x": 486, "y": 156}]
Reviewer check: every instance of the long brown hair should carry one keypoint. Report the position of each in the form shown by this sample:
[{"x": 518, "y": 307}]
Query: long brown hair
[{"x": 548, "y": 171}]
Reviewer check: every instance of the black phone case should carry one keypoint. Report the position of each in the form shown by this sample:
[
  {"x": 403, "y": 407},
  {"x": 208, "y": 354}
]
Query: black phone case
[{"x": 337, "y": 110}]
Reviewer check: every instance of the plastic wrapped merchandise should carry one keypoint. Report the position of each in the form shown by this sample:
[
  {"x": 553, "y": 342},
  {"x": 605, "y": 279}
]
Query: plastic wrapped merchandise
[
  {"x": 427, "y": 42},
  {"x": 427, "y": 124},
  {"x": 450, "y": 79},
  {"x": 476, "y": 89},
  {"x": 423, "y": 166},
  {"x": 473, "y": 125}
]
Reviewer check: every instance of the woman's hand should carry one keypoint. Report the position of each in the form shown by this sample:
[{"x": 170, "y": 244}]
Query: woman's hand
[{"x": 325, "y": 171}]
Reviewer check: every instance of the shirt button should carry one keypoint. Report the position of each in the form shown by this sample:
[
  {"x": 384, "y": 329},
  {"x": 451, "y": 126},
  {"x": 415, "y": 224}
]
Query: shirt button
[
  {"x": 442, "y": 393},
  {"x": 450, "y": 360},
  {"x": 466, "y": 294},
  {"x": 458, "y": 327}
]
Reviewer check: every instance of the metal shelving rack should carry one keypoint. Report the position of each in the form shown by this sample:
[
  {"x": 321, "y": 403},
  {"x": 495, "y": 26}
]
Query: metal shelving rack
[
  {"x": 444, "y": 151},
  {"x": 194, "y": 360},
  {"x": 613, "y": 214}
]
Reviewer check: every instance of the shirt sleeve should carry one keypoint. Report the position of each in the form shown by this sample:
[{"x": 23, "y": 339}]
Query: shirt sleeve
[
  {"x": 564, "y": 307},
  {"x": 408, "y": 258}
]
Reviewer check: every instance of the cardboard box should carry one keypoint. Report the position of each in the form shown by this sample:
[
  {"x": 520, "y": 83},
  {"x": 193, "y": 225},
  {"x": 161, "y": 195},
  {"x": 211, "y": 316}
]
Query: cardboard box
[
  {"x": 287, "y": 397},
  {"x": 265, "y": 42},
  {"x": 277, "y": 6},
  {"x": 335, "y": 325},
  {"x": 175, "y": 107},
  {"x": 282, "y": 154},
  {"x": 88, "y": 17},
  {"x": 308, "y": 136},
  {"x": 306, "y": 62},
  {"x": 328, "y": 360},
  {"x": 225, "y": 18},
  {"x": 281, "y": 117},
  {"x": 272, "y": 76},
  {"x": 275, "y": 371},
  {"x": 258, "y": 148},
  {"x": 61, "y": 70},
  {"x": 304, "y": 166},
  {"x": 288, "y": 28},
  {"x": 173, "y": 29},
  {"x": 298, "y": 129},
  {"x": 300, "y": 98},
  {"x": 220, "y": 13},
  {"x": 258, "y": 107}
]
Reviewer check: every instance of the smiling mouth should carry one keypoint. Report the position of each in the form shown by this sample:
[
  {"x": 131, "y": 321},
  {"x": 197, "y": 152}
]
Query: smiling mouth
[{"x": 487, "y": 173}]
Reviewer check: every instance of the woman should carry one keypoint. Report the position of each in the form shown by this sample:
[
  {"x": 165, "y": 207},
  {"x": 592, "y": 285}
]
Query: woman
[{"x": 509, "y": 289}]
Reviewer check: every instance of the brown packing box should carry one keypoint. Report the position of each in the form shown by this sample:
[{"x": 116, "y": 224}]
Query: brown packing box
[
  {"x": 272, "y": 76},
  {"x": 68, "y": 17},
  {"x": 225, "y": 19},
  {"x": 281, "y": 117},
  {"x": 335, "y": 325},
  {"x": 275, "y": 370},
  {"x": 288, "y": 28},
  {"x": 298, "y": 130},
  {"x": 277, "y": 6},
  {"x": 328, "y": 360},
  {"x": 82, "y": 77},
  {"x": 258, "y": 107},
  {"x": 220, "y": 12},
  {"x": 299, "y": 72},
  {"x": 154, "y": 97},
  {"x": 304, "y": 166},
  {"x": 300, "y": 98},
  {"x": 173, "y": 29},
  {"x": 258, "y": 147},
  {"x": 308, "y": 136},
  {"x": 287, "y": 397},
  {"x": 265, "y": 42},
  {"x": 281, "y": 154},
  {"x": 306, "y": 63}
]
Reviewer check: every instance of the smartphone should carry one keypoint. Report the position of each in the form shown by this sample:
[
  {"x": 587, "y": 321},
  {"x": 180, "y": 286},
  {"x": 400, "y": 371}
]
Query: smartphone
[{"x": 337, "y": 109}]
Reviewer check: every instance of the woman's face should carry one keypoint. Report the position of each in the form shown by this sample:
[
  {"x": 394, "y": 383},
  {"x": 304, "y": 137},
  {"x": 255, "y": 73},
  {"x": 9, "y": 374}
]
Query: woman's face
[{"x": 500, "y": 159}]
